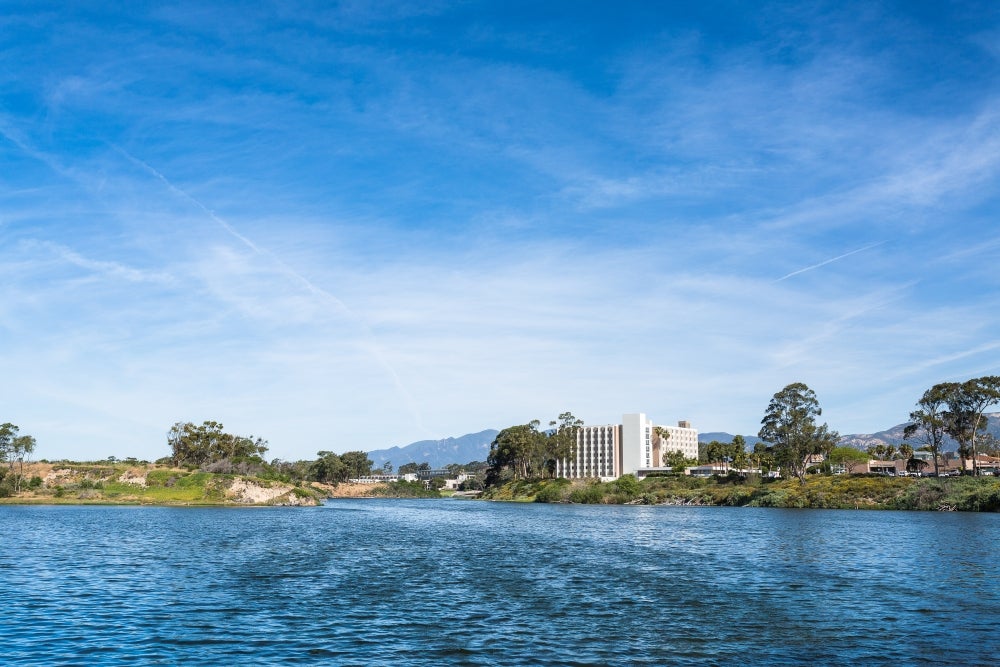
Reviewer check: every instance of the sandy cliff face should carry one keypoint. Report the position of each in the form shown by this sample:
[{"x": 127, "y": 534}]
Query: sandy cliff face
[
  {"x": 248, "y": 492},
  {"x": 347, "y": 490}
]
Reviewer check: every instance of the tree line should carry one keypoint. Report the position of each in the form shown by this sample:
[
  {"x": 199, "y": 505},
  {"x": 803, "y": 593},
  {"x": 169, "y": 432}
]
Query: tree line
[
  {"x": 333, "y": 468},
  {"x": 15, "y": 451},
  {"x": 523, "y": 451},
  {"x": 790, "y": 436},
  {"x": 955, "y": 409},
  {"x": 207, "y": 446}
]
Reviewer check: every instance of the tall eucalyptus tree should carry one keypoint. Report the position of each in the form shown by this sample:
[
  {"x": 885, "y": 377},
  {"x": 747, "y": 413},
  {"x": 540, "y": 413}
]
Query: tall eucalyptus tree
[
  {"x": 928, "y": 420},
  {"x": 789, "y": 425},
  {"x": 968, "y": 402}
]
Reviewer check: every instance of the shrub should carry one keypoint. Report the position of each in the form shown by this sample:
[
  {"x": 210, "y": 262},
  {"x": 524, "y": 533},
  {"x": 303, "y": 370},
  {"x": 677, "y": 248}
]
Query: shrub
[
  {"x": 738, "y": 496},
  {"x": 973, "y": 494},
  {"x": 628, "y": 486},
  {"x": 163, "y": 477},
  {"x": 771, "y": 498},
  {"x": 591, "y": 494},
  {"x": 553, "y": 491},
  {"x": 404, "y": 489},
  {"x": 927, "y": 494}
]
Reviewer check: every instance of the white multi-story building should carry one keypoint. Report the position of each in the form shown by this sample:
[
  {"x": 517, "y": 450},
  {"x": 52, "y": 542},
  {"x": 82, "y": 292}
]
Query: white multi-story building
[{"x": 635, "y": 446}]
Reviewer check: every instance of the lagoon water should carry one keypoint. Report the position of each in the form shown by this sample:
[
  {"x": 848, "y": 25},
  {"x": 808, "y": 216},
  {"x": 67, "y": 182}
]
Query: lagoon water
[{"x": 380, "y": 582}]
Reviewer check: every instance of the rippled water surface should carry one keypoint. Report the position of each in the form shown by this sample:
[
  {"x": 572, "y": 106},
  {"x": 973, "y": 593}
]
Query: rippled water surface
[{"x": 473, "y": 583}]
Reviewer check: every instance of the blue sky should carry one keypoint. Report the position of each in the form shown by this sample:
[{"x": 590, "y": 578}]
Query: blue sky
[{"x": 357, "y": 225}]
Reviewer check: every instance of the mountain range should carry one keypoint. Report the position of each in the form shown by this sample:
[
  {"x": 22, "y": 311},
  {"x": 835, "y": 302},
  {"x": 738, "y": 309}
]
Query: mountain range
[
  {"x": 894, "y": 436},
  {"x": 476, "y": 446},
  {"x": 438, "y": 453}
]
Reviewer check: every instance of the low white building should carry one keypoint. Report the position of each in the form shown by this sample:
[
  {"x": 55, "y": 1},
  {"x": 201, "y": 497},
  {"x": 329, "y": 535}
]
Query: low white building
[
  {"x": 374, "y": 479},
  {"x": 635, "y": 446}
]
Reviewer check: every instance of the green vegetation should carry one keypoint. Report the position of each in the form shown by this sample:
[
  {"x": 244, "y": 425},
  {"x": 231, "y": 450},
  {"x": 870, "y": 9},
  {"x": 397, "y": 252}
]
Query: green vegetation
[
  {"x": 524, "y": 452},
  {"x": 927, "y": 421},
  {"x": 789, "y": 426},
  {"x": 124, "y": 484},
  {"x": 331, "y": 468},
  {"x": 522, "y": 467},
  {"x": 403, "y": 489},
  {"x": 968, "y": 402},
  {"x": 209, "y": 466},
  {"x": 524, "y": 490},
  {"x": 14, "y": 451},
  {"x": 727, "y": 452},
  {"x": 848, "y": 457},
  {"x": 676, "y": 461},
  {"x": 817, "y": 492},
  {"x": 208, "y": 444}
]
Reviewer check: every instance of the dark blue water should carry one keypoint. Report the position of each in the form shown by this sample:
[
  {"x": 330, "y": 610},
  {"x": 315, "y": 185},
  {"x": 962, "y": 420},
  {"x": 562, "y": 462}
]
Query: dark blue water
[{"x": 380, "y": 582}]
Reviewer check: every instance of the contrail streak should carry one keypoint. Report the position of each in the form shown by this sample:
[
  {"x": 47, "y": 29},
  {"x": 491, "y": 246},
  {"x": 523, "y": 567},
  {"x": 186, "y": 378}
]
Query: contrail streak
[
  {"x": 304, "y": 282},
  {"x": 185, "y": 196},
  {"x": 829, "y": 261}
]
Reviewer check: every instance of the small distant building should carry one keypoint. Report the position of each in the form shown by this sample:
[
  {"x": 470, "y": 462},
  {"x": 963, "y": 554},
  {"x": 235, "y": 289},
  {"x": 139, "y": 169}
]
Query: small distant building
[
  {"x": 427, "y": 475},
  {"x": 453, "y": 484},
  {"x": 986, "y": 465},
  {"x": 451, "y": 480},
  {"x": 705, "y": 470},
  {"x": 890, "y": 468},
  {"x": 633, "y": 447},
  {"x": 814, "y": 460},
  {"x": 374, "y": 479}
]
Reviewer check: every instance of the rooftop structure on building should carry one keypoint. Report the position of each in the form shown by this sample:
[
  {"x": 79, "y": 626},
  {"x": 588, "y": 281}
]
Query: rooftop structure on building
[{"x": 635, "y": 446}]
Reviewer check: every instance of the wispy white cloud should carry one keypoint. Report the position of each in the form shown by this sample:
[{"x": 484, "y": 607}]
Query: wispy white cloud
[
  {"x": 107, "y": 269},
  {"x": 188, "y": 198},
  {"x": 293, "y": 305},
  {"x": 304, "y": 226}
]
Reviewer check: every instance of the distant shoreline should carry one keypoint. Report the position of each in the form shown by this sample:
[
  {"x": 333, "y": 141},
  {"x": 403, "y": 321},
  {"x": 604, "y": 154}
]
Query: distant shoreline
[
  {"x": 117, "y": 483},
  {"x": 857, "y": 492},
  {"x": 158, "y": 485}
]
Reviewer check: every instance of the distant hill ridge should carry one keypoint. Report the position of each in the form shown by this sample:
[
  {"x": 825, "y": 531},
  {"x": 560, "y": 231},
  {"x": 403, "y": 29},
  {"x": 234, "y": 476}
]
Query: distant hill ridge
[
  {"x": 725, "y": 437},
  {"x": 894, "y": 435},
  {"x": 438, "y": 453},
  {"x": 476, "y": 446}
]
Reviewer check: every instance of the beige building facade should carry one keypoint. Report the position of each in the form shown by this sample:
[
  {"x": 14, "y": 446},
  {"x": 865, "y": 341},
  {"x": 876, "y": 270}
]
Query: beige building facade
[{"x": 635, "y": 446}]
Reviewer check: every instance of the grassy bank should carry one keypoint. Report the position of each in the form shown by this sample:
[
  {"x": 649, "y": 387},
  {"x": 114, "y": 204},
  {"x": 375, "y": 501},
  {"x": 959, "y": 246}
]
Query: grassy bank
[
  {"x": 819, "y": 491},
  {"x": 82, "y": 483}
]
